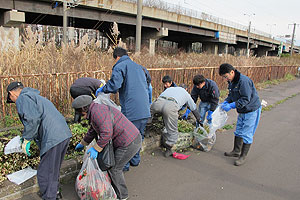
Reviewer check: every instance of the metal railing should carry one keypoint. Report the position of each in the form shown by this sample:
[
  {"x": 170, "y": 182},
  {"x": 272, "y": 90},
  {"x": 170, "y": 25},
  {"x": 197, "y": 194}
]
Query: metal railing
[
  {"x": 197, "y": 14},
  {"x": 55, "y": 87}
]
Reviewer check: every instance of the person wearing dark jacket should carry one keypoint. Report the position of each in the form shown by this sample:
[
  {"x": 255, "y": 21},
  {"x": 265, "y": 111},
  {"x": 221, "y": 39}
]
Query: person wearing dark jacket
[
  {"x": 168, "y": 82},
  {"x": 244, "y": 98},
  {"x": 84, "y": 86},
  {"x": 108, "y": 123},
  {"x": 208, "y": 92},
  {"x": 129, "y": 79},
  {"x": 48, "y": 128}
]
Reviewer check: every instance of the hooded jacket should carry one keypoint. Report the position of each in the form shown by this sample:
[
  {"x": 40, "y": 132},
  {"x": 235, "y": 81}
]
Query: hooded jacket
[{"x": 42, "y": 122}]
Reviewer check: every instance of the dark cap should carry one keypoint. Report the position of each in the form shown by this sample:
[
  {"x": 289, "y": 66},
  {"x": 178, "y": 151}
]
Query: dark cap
[
  {"x": 11, "y": 87},
  {"x": 82, "y": 101}
]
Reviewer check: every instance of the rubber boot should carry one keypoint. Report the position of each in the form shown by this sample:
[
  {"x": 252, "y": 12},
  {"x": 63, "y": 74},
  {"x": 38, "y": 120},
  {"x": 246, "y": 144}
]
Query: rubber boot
[
  {"x": 238, "y": 142},
  {"x": 169, "y": 151},
  {"x": 243, "y": 156}
]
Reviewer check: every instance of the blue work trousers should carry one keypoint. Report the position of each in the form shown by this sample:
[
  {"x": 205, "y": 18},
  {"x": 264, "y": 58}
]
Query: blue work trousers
[
  {"x": 203, "y": 108},
  {"x": 140, "y": 125},
  {"x": 246, "y": 125}
]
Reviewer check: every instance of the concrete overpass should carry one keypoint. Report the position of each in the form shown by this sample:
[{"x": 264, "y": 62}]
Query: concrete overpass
[{"x": 157, "y": 23}]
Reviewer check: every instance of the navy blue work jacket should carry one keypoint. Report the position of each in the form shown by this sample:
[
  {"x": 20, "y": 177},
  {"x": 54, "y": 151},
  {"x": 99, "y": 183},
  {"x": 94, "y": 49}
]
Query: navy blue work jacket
[
  {"x": 209, "y": 93},
  {"x": 129, "y": 79},
  {"x": 242, "y": 91}
]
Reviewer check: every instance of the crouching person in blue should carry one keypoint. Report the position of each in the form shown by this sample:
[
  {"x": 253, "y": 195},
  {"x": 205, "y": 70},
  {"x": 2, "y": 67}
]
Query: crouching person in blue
[
  {"x": 244, "y": 98},
  {"x": 107, "y": 124},
  {"x": 48, "y": 128}
]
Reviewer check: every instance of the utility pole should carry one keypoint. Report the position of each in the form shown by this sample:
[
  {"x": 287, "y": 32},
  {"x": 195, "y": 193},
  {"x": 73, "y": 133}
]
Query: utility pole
[
  {"x": 138, "y": 33},
  {"x": 293, "y": 36},
  {"x": 249, "y": 30},
  {"x": 65, "y": 21},
  {"x": 248, "y": 41}
]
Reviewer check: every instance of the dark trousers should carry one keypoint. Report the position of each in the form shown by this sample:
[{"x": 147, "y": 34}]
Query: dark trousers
[
  {"x": 140, "y": 125},
  {"x": 122, "y": 156},
  {"x": 49, "y": 168}
]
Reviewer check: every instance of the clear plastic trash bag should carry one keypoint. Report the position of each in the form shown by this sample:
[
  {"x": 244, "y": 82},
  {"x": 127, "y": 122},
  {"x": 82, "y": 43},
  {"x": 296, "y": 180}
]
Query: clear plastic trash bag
[
  {"x": 13, "y": 146},
  {"x": 219, "y": 119},
  {"x": 103, "y": 98},
  {"x": 204, "y": 140}
]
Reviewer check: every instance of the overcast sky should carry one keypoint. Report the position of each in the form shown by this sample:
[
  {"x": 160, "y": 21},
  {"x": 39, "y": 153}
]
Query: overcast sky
[{"x": 267, "y": 13}]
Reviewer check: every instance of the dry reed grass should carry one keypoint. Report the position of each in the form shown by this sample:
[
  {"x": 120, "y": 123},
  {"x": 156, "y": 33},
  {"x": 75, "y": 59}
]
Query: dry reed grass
[{"x": 37, "y": 57}]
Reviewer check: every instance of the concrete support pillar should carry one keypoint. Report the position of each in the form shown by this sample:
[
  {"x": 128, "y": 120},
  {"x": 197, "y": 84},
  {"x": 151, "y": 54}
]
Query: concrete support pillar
[
  {"x": 263, "y": 51},
  {"x": 152, "y": 46},
  {"x": 210, "y": 47},
  {"x": 152, "y": 36},
  {"x": 223, "y": 49}
]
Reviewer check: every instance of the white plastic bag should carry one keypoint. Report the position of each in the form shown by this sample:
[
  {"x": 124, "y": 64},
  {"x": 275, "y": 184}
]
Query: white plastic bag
[
  {"x": 92, "y": 184},
  {"x": 219, "y": 119},
  {"x": 22, "y": 175},
  {"x": 13, "y": 146},
  {"x": 103, "y": 98}
]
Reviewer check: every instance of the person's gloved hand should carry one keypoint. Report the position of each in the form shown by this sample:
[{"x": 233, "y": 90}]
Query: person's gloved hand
[
  {"x": 79, "y": 147},
  {"x": 186, "y": 114},
  {"x": 199, "y": 123},
  {"x": 228, "y": 106},
  {"x": 225, "y": 102},
  {"x": 93, "y": 153},
  {"x": 209, "y": 118},
  {"x": 99, "y": 90},
  {"x": 26, "y": 146},
  {"x": 150, "y": 93}
]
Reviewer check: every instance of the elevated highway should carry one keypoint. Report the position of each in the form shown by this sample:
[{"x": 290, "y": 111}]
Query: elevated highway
[{"x": 157, "y": 24}]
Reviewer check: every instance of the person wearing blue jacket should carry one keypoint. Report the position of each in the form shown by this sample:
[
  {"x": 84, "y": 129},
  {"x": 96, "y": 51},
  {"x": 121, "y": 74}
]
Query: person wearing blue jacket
[
  {"x": 130, "y": 80},
  {"x": 44, "y": 124},
  {"x": 244, "y": 98}
]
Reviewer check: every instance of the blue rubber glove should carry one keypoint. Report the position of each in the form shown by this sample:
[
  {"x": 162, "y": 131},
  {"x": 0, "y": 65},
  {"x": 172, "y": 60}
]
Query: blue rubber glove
[
  {"x": 93, "y": 153},
  {"x": 186, "y": 114},
  {"x": 225, "y": 102},
  {"x": 228, "y": 106},
  {"x": 150, "y": 93},
  {"x": 79, "y": 147},
  {"x": 26, "y": 146},
  {"x": 99, "y": 90},
  {"x": 209, "y": 118}
]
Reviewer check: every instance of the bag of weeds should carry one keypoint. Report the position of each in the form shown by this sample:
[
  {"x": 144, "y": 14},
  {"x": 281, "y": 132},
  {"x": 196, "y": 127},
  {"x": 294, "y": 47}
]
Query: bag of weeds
[
  {"x": 185, "y": 136},
  {"x": 203, "y": 140}
]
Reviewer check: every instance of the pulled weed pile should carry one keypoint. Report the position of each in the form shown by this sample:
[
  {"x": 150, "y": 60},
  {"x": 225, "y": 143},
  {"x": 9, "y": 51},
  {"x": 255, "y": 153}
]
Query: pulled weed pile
[{"x": 16, "y": 161}]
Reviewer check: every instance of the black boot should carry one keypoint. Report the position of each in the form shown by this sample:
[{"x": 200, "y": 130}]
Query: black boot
[
  {"x": 169, "y": 151},
  {"x": 238, "y": 142},
  {"x": 243, "y": 156}
]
